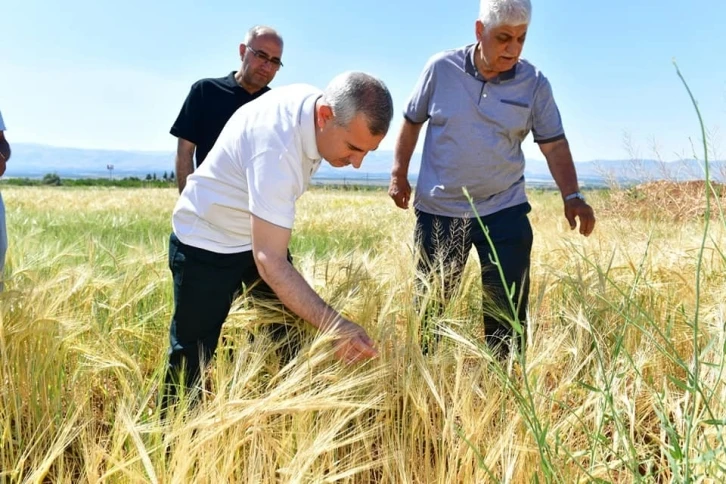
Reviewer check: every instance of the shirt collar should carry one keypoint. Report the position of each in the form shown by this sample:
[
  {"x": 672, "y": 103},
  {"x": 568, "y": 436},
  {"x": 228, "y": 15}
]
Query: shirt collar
[
  {"x": 232, "y": 83},
  {"x": 470, "y": 67},
  {"x": 307, "y": 124}
]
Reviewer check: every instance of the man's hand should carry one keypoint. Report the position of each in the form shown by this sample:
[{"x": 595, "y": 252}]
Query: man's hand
[
  {"x": 269, "y": 247},
  {"x": 559, "y": 160},
  {"x": 352, "y": 344},
  {"x": 577, "y": 208},
  {"x": 400, "y": 191}
]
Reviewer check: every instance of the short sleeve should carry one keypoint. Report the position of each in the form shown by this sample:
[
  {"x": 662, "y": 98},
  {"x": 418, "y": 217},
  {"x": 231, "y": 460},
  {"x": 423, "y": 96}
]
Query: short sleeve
[
  {"x": 187, "y": 124},
  {"x": 546, "y": 121},
  {"x": 273, "y": 186},
  {"x": 417, "y": 108}
]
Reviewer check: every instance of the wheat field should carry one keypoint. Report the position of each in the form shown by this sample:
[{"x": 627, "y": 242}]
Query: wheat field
[{"x": 622, "y": 380}]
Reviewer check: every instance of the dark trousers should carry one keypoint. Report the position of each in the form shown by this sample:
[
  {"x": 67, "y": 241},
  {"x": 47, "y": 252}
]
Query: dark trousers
[
  {"x": 205, "y": 285},
  {"x": 444, "y": 244}
]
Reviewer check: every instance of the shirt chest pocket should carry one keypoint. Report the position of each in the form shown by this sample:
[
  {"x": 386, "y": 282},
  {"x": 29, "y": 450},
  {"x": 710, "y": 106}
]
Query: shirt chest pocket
[{"x": 512, "y": 117}]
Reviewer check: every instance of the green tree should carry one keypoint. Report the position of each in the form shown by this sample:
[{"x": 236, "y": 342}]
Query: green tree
[{"x": 51, "y": 179}]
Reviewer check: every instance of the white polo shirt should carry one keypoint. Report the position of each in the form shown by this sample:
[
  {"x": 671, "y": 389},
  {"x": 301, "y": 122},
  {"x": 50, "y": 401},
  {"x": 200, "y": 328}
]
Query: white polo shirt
[{"x": 261, "y": 164}]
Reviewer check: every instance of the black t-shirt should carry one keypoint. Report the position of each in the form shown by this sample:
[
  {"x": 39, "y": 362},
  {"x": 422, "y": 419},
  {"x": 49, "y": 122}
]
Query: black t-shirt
[{"x": 207, "y": 108}]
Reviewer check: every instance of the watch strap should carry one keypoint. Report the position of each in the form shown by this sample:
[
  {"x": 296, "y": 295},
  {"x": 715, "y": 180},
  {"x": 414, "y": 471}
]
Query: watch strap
[{"x": 575, "y": 195}]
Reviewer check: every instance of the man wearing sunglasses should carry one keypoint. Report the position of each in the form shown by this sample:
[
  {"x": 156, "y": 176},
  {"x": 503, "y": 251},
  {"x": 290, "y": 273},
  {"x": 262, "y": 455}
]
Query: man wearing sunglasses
[{"x": 211, "y": 102}]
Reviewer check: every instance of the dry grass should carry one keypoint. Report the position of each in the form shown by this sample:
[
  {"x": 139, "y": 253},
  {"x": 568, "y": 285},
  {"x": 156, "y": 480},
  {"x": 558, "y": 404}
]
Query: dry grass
[
  {"x": 622, "y": 382},
  {"x": 671, "y": 200}
]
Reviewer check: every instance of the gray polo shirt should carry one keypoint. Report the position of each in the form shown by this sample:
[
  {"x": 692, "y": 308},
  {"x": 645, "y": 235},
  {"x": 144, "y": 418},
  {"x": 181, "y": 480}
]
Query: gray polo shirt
[{"x": 475, "y": 132}]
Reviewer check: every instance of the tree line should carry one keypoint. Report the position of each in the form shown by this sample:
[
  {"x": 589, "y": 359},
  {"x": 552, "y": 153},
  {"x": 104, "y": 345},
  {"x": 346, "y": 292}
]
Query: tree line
[{"x": 152, "y": 180}]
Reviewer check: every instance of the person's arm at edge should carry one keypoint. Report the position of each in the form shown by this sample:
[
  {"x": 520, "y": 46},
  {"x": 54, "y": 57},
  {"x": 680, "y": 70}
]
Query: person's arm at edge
[
  {"x": 562, "y": 167},
  {"x": 400, "y": 189},
  {"x": 5, "y": 152},
  {"x": 269, "y": 248},
  {"x": 184, "y": 162}
]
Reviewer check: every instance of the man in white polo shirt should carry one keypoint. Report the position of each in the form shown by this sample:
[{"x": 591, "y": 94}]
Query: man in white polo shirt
[{"x": 233, "y": 221}]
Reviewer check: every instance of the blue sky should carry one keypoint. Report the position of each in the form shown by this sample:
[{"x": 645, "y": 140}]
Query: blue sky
[{"x": 100, "y": 74}]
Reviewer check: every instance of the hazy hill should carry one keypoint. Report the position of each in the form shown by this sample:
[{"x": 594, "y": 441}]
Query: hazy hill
[{"x": 33, "y": 160}]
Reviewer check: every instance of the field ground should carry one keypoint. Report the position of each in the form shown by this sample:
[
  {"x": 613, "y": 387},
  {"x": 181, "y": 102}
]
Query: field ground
[{"x": 622, "y": 380}]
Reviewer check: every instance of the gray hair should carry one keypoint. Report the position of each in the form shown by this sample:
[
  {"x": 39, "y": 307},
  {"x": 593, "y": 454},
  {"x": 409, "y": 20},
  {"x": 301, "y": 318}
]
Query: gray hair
[
  {"x": 493, "y": 13},
  {"x": 351, "y": 93},
  {"x": 259, "y": 31}
]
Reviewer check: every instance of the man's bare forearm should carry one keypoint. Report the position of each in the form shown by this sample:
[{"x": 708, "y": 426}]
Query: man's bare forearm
[
  {"x": 405, "y": 144},
  {"x": 295, "y": 293},
  {"x": 562, "y": 167},
  {"x": 184, "y": 164}
]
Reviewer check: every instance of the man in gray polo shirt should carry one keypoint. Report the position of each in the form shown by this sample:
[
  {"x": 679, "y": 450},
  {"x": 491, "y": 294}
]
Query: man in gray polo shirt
[{"x": 480, "y": 102}]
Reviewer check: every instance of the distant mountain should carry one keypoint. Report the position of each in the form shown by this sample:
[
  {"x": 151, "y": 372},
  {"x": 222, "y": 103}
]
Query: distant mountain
[
  {"x": 34, "y": 161},
  {"x": 629, "y": 171}
]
